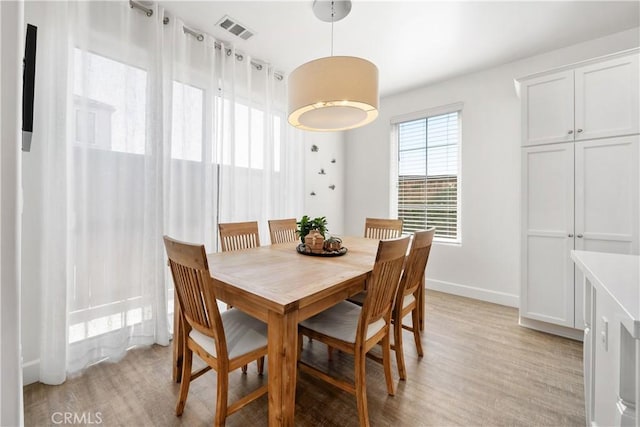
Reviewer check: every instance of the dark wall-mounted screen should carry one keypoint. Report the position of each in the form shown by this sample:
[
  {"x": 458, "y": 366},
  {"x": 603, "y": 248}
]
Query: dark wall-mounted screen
[{"x": 28, "y": 85}]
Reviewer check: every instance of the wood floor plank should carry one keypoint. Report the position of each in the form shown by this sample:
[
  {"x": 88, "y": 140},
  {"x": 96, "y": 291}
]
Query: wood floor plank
[{"x": 479, "y": 368}]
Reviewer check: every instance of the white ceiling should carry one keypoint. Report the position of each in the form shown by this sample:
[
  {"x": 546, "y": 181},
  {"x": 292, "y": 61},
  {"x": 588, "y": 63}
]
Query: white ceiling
[{"x": 413, "y": 43}]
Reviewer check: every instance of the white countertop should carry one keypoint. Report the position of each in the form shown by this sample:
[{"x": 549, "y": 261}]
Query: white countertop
[{"x": 619, "y": 276}]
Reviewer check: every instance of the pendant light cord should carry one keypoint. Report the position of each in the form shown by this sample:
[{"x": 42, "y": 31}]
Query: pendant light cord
[{"x": 333, "y": 12}]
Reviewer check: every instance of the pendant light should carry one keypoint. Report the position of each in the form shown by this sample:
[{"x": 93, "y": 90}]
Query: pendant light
[{"x": 336, "y": 92}]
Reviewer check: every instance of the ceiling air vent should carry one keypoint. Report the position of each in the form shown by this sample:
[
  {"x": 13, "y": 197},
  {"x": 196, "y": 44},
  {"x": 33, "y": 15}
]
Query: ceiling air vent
[{"x": 234, "y": 27}]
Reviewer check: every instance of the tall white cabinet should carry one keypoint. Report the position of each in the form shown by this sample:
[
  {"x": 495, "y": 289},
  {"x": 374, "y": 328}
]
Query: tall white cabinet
[{"x": 580, "y": 181}]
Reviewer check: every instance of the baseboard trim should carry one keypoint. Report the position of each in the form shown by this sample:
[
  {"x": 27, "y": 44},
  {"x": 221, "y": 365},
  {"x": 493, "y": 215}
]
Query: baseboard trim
[
  {"x": 481, "y": 294},
  {"x": 550, "y": 328},
  {"x": 31, "y": 372}
]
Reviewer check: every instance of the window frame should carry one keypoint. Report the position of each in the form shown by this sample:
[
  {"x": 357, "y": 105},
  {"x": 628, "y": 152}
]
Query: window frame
[{"x": 394, "y": 166}]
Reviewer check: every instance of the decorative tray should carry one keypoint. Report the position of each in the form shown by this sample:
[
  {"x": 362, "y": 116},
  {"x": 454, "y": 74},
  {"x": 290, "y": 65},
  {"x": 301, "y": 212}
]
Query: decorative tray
[{"x": 302, "y": 249}]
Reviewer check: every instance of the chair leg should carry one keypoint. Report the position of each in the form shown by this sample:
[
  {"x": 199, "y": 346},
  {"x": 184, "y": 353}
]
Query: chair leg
[
  {"x": 415, "y": 319},
  {"x": 221, "y": 397},
  {"x": 260, "y": 365},
  {"x": 186, "y": 380},
  {"x": 330, "y": 352},
  {"x": 386, "y": 361},
  {"x": 244, "y": 369},
  {"x": 361, "y": 388},
  {"x": 397, "y": 341},
  {"x": 300, "y": 338}
]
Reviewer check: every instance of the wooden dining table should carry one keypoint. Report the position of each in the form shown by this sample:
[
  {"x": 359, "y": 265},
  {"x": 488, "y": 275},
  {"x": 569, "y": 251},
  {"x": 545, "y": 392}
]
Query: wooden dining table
[{"x": 281, "y": 287}]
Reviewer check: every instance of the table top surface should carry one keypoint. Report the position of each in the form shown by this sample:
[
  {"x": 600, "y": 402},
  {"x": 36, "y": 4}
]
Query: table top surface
[
  {"x": 280, "y": 275},
  {"x": 616, "y": 274}
]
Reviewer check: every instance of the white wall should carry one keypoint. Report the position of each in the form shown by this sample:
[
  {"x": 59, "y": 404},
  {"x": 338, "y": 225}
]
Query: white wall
[
  {"x": 31, "y": 262},
  {"x": 326, "y": 202},
  {"x": 486, "y": 265},
  {"x": 11, "y": 47},
  {"x": 32, "y": 228}
]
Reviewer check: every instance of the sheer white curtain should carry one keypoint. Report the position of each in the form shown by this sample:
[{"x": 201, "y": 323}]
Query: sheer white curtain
[
  {"x": 101, "y": 136},
  {"x": 149, "y": 131},
  {"x": 261, "y": 160}
]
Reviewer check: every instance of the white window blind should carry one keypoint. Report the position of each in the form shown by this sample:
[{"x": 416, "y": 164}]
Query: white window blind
[{"x": 428, "y": 178}]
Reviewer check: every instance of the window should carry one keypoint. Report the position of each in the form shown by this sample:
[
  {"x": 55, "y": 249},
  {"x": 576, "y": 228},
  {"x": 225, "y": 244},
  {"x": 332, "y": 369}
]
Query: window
[
  {"x": 187, "y": 122},
  {"x": 249, "y": 143},
  {"x": 428, "y": 176},
  {"x": 109, "y": 102},
  {"x": 107, "y": 292}
]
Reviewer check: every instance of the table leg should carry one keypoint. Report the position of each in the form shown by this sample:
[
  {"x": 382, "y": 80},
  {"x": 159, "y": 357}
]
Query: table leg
[
  {"x": 282, "y": 359},
  {"x": 177, "y": 340}
]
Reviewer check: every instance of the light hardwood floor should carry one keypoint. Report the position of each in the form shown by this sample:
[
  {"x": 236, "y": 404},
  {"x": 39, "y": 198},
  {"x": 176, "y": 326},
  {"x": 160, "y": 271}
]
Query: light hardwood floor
[{"x": 479, "y": 368}]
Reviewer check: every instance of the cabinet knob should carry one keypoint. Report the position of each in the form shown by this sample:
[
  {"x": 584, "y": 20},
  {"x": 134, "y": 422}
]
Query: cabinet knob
[
  {"x": 569, "y": 235},
  {"x": 570, "y": 132},
  {"x": 579, "y": 130},
  {"x": 579, "y": 236}
]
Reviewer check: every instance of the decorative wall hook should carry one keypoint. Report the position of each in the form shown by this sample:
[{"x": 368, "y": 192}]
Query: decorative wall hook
[
  {"x": 314, "y": 148},
  {"x": 322, "y": 172},
  {"x": 333, "y": 160},
  {"x": 333, "y": 187},
  {"x": 313, "y": 193}
]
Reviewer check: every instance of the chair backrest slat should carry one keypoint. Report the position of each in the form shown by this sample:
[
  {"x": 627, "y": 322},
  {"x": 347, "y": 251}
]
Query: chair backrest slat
[
  {"x": 383, "y": 282},
  {"x": 382, "y": 228},
  {"x": 416, "y": 264},
  {"x": 235, "y": 236},
  {"x": 194, "y": 290},
  {"x": 283, "y": 230}
]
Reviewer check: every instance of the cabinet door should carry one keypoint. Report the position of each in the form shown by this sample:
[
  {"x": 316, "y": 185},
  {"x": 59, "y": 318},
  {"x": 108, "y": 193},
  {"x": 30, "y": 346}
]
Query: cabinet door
[
  {"x": 547, "y": 292},
  {"x": 547, "y": 109},
  {"x": 607, "y": 97},
  {"x": 607, "y": 189}
]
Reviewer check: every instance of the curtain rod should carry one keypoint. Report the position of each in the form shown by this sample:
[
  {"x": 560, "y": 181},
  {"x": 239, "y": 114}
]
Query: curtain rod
[
  {"x": 199, "y": 36},
  {"x": 136, "y": 5}
]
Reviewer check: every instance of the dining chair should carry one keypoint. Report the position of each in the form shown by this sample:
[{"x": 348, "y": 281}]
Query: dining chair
[
  {"x": 235, "y": 236},
  {"x": 355, "y": 330},
  {"x": 382, "y": 228},
  {"x": 377, "y": 228},
  {"x": 225, "y": 342},
  {"x": 408, "y": 296},
  {"x": 283, "y": 230}
]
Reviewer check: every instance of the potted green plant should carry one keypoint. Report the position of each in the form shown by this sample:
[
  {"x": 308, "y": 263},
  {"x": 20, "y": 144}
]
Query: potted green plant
[{"x": 306, "y": 224}]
